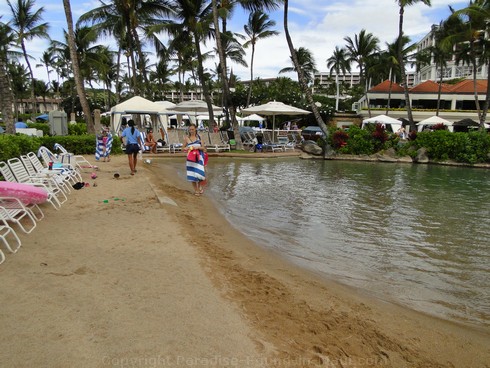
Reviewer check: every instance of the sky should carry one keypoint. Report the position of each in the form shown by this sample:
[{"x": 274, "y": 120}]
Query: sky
[{"x": 318, "y": 25}]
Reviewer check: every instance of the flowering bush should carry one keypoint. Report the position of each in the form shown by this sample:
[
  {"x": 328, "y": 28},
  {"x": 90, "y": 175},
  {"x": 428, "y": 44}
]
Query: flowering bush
[{"x": 339, "y": 139}]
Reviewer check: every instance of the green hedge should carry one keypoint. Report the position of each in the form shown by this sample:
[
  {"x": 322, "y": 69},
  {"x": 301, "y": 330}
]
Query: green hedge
[
  {"x": 441, "y": 145},
  {"x": 20, "y": 144}
]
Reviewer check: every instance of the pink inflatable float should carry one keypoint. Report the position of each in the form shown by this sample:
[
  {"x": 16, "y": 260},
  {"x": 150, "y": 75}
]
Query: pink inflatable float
[{"x": 26, "y": 193}]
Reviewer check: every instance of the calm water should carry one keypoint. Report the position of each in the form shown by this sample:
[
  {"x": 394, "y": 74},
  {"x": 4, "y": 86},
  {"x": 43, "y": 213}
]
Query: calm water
[{"x": 415, "y": 234}]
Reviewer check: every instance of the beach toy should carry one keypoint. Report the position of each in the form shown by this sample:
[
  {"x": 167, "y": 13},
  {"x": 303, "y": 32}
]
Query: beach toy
[
  {"x": 26, "y": 193},
  {"x": 148, "y": 161},
  {"x": 93, "y": 175}
]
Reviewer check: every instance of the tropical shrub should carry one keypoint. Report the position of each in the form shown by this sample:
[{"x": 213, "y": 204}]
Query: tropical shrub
[{"x": 339, "y": 139}]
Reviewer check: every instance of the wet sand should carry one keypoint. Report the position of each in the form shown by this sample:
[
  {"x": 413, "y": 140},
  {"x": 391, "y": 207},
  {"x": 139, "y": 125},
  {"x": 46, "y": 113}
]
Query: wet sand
[{"x": 139, "y": 272}]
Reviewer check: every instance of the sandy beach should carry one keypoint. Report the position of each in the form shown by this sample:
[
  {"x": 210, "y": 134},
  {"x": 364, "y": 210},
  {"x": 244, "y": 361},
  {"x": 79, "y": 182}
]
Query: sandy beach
[{"x": 139, "y": 272}]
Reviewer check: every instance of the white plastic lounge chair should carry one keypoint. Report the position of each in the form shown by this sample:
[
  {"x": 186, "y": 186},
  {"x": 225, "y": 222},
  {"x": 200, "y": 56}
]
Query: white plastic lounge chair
[
  {"x": 41, "y": 171},
  {"x": 7, "y": 232},
  {"x": 12, "y": 210},
  {"x": 269, "y": 144},
  {"x": 8, "y": 175},
  {"x": 79, "y": 160},
  {"x": 68, "y": 169},
  {"x": 22, "y": 176},
  {"x": 174, "y": 142},
  {"x": 61, "y": 181}
]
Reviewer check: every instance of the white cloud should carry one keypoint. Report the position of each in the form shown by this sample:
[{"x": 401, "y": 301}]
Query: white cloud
[{"x": 318, "y": 25}]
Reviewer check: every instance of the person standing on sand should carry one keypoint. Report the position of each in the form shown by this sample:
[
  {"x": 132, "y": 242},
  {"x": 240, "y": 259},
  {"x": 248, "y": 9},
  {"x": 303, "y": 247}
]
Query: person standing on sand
[
  {"x": 133, "y": 143},
  {"x": 196, "y": 151}
]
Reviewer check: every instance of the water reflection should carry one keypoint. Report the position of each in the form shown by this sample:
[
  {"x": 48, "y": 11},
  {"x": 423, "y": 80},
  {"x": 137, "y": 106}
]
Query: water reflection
[{"x": 414, "y": 233}]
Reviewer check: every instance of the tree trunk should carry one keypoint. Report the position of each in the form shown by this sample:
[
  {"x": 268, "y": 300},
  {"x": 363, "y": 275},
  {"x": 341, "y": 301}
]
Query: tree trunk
[
  {"x": 31, "y": 74},
  {"x": 389, "y": 92},
  {"x": 251, "y": 74},
  {"x": 337, "y": 96},
  {"x": 226, "y": 87},
  {"x": 6, "y": 98},
  {"x": 477, "y": 102},
  {"x": 76, "y": 69},
  {"x": 486, "y": 103},
  {"x": 303, "y": 84},
  {"x": 408, "y": 105},
  {"x": 200, "y": 72},
  {"x": 439, "y": 91}
]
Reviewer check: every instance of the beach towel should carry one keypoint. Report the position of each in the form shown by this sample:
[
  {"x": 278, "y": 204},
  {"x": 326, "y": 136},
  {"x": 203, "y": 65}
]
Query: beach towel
[
  {"x": 99, "y": 148},
  {"x": 195, "y": 163}
]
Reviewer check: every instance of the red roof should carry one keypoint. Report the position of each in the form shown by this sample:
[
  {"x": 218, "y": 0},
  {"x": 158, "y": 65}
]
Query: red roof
[
  {"x": 385, "y": 87},
  {"x": 430, "y": 87},
  {"x": 467, "y": 86}
]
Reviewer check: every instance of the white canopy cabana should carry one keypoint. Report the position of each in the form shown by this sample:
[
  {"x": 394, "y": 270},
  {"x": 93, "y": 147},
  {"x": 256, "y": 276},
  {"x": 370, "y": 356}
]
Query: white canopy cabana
[
  {"x": 434, "y": 120},
  {"x": 390, "y": 123},
  {"x": 137, "y": 106},
  {"x": 253, "y": 117}
]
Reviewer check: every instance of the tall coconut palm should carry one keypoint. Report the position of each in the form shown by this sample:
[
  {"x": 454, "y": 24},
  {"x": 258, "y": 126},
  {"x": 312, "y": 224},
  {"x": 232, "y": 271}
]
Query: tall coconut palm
[
  {"x": 125, "y": 20},
  {"x": 257, "y": 28},
  {"x": 6, "y": 97},
  {"x": 338, "y": 62},
  {"x": 303, "y": 81},
  {"x": 360, "y": 49},
  {"x": 472, "y": 48},
  {"x": 306, "y": 63},
  {"x": 76, "y": 68},
  {"x": 222, "y": 11},
  {"x": 402, "y": 4},
  {"x": 47, "y": 60},
  {"x": 26, "y": 24}
]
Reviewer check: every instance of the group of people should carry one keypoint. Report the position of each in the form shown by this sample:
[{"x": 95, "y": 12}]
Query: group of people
[{"x": 196, "y": 159}]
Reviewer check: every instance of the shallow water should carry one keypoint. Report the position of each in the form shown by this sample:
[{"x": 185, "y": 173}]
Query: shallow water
[{"x": 414, "y": 234}]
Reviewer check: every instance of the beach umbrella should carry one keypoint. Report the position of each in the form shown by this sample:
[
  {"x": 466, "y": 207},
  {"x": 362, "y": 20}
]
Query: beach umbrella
[
  {"x": 195, "y": 107},
  {"x": 42, "y": 117},
  {"x": 274, "y": 108}
]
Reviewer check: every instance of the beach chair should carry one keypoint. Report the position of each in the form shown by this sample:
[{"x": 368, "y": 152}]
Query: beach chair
[
  {"x": 8, "y": 175},
  {"x": 61, "y": 181},
  {"x": 65, "y": 168},
  {"x": 269, "y": 145},
  {"x": 7, "y": 232},
  {"x": 80, "y": 161},
  {"x": 12, "y": 210},
  {"x": 44, "y": 171},
  {"x": 174, "y": 143},
  {"x": 217, "y": 142},
  {"x": 22, "y": 176},
  {"x": 283, "y": 141}
]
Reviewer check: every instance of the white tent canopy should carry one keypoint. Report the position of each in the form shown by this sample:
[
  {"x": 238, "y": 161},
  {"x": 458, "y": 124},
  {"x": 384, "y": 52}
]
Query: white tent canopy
[
  {"x": 385, "y": 120},
  {"x": 434, "y": 120},
  {"x": 274, "y": 108},
  {"x": 253, "y": 117},
  {"x": 136, "y": 106}
]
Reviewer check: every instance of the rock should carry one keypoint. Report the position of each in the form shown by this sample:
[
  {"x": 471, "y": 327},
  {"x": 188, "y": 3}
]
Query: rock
[
  {"x": 312, "y": 147},
  {"x": 422, "y": 156}
]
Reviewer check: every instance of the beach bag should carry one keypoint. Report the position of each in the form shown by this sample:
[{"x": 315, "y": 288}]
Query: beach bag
[{"x": 193, "y": 155}]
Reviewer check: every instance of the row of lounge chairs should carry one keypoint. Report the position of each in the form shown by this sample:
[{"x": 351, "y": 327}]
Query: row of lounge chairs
[
  {"x": 174, "y": 141},
  {"x": 219, "y": 141},
  {"x": 29, "y": 169}
]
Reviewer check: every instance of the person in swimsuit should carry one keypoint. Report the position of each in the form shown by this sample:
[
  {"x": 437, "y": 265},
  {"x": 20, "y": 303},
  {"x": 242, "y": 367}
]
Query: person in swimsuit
[{"x": 150, "y": 141}]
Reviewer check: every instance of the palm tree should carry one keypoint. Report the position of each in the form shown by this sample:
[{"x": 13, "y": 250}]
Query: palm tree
[
  {"x": 402, "y": 4},
  {"x": 303, "y": 81},
  {"x": 360, "y": 49},
  {"x": 338, "y": 62},
  {"x": 6, "y": 97},
  {"x": 471, "y": 47},
  {"x": 258, "y": 27},
  {"x": 47, "y": 60},
  {"x": 76, "y": 68},
  {"x": 125, "y": 20},
  {"x": 26, "y": 24},
  {"x": 306, "y": 63}
]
